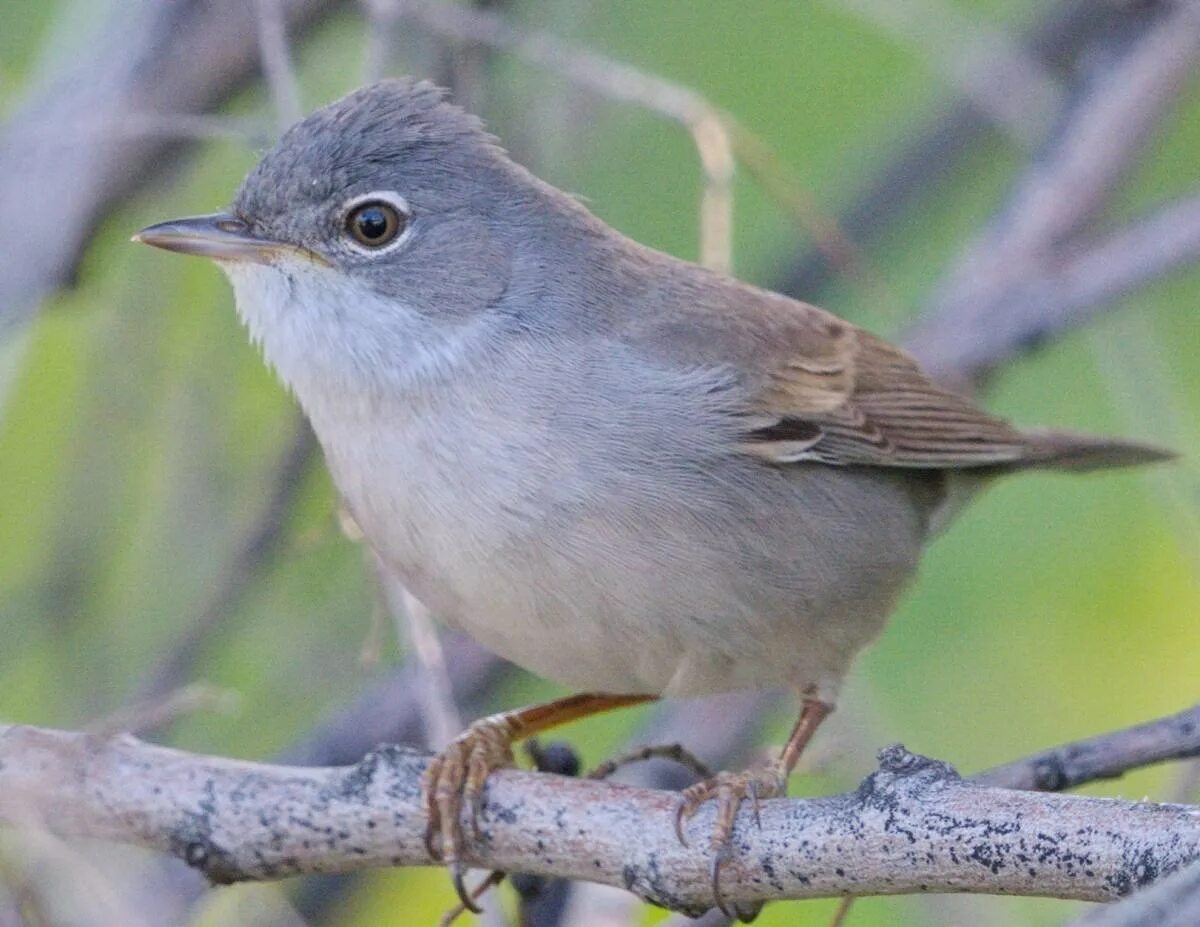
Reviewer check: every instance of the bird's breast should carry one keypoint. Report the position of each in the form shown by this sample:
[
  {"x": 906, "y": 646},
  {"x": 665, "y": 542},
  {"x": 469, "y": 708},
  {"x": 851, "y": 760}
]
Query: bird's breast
[{"x": 621, "y": 544}]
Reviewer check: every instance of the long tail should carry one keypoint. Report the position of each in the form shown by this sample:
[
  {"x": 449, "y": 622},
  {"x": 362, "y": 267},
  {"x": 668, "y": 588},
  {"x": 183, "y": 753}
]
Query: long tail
[{"x": 1065, "y": 450}]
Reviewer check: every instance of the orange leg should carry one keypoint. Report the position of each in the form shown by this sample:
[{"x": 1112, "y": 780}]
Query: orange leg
[
  {"x": 729, "y": 790},
  {"x": 456, "y": 776},
  {"x": 812, "y": 713}
]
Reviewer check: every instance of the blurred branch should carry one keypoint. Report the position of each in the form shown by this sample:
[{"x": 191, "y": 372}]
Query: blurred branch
[
  {"x": 1062, "y": 190},
  {"x": 414, "y": 627},
  {"x": 151, "y": 59},
  {"x": 276, "y": 60},
  {"x": 1094, "y": 147},
  {"x": 987, "y": 66},
  {"x": 1055, "y": 39},
  {"x": 611, "y": 79},
  {"x": 967, "y": 339},
  {"x": 163, "y": 711},
  {"x": 1172, "y": 902},
  {"x": 389, "y": 712},
  {"x": 1108, "y": 756},
  {"x": 1188, "y": 785},
  {"x": 260, "y": 542},
  {"x": 382, "y": 34},
  {"x": 56, "y": 882},
  {"x": 912, "y": 826},
  {"x": 1147, "y": 392},
  {"x": 171, "y": 127}
]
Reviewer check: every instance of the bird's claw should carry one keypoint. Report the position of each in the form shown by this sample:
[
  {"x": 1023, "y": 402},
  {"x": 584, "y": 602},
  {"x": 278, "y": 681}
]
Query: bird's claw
[
  {"x": 728, "y": 790},
  {"x": 455, "y": 778}
]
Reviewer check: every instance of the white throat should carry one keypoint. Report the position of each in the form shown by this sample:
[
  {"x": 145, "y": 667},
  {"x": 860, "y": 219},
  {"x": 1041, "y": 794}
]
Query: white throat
[{"x": 337, "y": 345}]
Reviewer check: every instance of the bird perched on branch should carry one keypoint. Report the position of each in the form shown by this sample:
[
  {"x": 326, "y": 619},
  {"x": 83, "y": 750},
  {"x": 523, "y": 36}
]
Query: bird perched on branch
[{"x": 620, "y": 470}]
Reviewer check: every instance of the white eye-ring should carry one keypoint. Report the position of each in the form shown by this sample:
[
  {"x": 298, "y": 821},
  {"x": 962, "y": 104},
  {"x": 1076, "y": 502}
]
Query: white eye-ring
[{"x": 376, "y": 222}]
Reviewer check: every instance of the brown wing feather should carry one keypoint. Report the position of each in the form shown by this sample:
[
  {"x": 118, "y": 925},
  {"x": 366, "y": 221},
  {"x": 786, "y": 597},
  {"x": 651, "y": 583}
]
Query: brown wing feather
[
  {"x": 816, "y": 388},
  {"x": 876, "y": 408}
]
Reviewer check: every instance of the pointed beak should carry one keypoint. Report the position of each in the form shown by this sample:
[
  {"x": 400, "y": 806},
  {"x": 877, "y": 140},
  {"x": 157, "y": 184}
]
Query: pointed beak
[{"x": 221, "y": 237}]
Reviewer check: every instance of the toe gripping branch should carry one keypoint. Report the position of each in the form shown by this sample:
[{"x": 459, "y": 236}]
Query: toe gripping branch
[
  {"x": 457, "y": 777},
  {"x": 730, "y": 790}
]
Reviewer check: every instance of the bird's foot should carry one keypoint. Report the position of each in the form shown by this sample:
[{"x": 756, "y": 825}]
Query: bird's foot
[
  {"x": 729, "y": 790},
  {"x": 454, "y": 780},
  {"x": 456, "y": 777}
]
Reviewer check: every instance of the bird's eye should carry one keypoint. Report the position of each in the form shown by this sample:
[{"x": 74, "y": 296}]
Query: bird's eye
[{"x": 375, "y": 223}]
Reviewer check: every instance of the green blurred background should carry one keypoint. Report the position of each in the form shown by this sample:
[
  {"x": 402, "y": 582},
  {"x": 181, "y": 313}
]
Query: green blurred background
[{"x": 137, "y": 435}]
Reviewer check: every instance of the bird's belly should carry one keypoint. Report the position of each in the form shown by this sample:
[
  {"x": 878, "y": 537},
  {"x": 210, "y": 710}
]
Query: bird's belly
[
  {"x": 741, "y": 583},
  {"x": 581, "y": 656},
  {"x": 648, "y": 624}
]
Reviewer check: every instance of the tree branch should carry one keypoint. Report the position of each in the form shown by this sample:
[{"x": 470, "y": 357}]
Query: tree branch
[
  {"x": 1016, "y": 266},
  {"x": 913, "y": 826},
  {"x": 1173, "y": 902},
  {"x": 1059, "y": 35},
  {"x": 1176, "y": 737},
  {"x": 1063, "y": 291}
]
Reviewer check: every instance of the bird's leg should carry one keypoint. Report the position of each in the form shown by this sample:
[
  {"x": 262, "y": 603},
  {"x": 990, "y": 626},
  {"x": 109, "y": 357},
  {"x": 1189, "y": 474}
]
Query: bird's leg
[
  {"x": 729, "y": 790},
  {"x": 456, "y": 776}
]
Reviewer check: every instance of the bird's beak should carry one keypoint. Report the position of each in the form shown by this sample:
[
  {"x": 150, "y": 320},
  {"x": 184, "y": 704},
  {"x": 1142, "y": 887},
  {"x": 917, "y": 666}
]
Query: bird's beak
[{"x": 221, "y": 237}]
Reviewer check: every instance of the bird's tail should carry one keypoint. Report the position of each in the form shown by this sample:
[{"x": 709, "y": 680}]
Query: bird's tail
[{"x": 1066, "y": 450}]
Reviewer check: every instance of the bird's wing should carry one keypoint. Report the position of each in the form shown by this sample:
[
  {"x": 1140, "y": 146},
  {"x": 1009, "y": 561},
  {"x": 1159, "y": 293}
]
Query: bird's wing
[
  {"x": 860, "y": 400},
  {"x": 816, "y": 388}
]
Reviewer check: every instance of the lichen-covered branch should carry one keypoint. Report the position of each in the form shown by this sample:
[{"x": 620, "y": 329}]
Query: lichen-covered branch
[
  {"x": 1173, "y": 902},
  {"x": 912, "y": 826}
]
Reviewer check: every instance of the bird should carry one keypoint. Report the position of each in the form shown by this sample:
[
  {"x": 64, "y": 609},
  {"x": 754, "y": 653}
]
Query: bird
[{"x": 625, "y": 472}]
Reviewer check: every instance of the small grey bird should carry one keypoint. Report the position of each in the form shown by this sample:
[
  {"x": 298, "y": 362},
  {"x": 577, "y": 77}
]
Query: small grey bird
[{"x": 617, "y": 469}]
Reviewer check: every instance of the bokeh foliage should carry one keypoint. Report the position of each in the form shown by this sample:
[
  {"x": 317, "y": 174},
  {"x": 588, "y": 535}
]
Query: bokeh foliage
[{"x": 135, "y": 442}]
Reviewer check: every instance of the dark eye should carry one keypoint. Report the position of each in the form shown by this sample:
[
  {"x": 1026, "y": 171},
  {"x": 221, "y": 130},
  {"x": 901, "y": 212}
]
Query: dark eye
[{"x": 375, "y": 223}]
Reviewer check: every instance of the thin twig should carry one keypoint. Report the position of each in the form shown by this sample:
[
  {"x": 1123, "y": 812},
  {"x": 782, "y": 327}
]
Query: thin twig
[
  {"x": 1108, "y": 756},
  {"x": 614, "y": 80},
  {"x": 842, "y": 914},
  {"x": 772, "y": 173},
  {"x": 414, "y": 628},
  {"x": 164, "y": 711}
]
